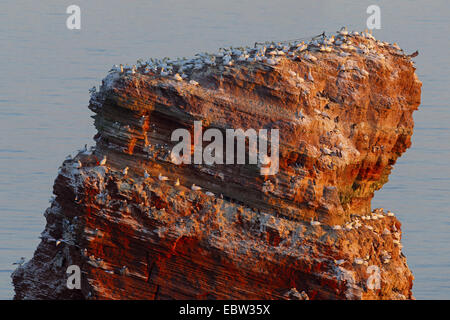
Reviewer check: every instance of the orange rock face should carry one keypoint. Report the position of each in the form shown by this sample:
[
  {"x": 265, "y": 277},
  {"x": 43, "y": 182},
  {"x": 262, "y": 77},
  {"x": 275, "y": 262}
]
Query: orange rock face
[{"x": 344, "y": 117}]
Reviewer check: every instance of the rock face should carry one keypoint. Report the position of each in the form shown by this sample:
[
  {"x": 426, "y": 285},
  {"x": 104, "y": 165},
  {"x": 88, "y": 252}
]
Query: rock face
[{"x": 343, "y": 107}]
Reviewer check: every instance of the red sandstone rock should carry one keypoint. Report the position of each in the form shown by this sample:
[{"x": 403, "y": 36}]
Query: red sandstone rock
[{"x": 343, "y": 119}]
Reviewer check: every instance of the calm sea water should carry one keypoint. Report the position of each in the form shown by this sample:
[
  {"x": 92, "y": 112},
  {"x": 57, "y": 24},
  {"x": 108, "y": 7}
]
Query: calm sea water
[{"x": 48, "y": 69}]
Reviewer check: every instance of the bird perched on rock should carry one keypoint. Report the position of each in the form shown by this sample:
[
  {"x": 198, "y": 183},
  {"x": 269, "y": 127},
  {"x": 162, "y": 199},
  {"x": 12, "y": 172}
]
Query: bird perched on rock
[
  {"x": 125, "y": 171},
  {"x": 20, "y": 262},
  {"x": 103, "y": 161},
  {"x": 146, "y": 175},
  {"x": 162, "y": 178},
  {"x": 414, "y": 54},
  {"x": 314, "y": 223},
  {"x": 177, "y": 183},
  {"x": 196, "y": 188}
]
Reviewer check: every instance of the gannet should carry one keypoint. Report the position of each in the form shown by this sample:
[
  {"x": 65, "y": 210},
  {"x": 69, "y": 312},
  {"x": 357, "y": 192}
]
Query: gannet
[
  {"x": 20, "y": 262},
  {"x": 310, "y": 77},
  {"x": 103, "y": 162},
  {"x": 177, "y": 183},
  {"x": 164, "y": 73},
  {"x": 193, "y": 82},
  {"x": 125, "y": 171},
  {"x": 177, "y": 77},
  {"x": 314, "y": 223},
  {"x": 162, "y": 178},
  {"x": 210, "y": 194},
  {"x": 337, "y": 227},
  {"x": 343, "y": 31},
  {"x": 121, "y": 68},
  {"x": 310, "y": 57},
  {"x": 390, "y": 214},
  {"x": 358, "y": 261},
  {"x": 339, "y": 262},
  {"x": 146, "y": 175},
  {"x": 195, "y": 188}
]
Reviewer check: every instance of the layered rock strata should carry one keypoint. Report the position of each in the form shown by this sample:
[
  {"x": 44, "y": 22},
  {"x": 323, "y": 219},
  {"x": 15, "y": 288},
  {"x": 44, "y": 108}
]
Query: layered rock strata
[{"x": 343, "y": 107}]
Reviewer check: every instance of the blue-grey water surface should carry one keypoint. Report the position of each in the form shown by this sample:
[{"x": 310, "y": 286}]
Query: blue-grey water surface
[{"x": 46, "y": 71}]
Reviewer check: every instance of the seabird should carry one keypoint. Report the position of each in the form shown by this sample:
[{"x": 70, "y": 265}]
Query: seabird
[
  {"x": 314, "y": 223},
  {"x": 103, "y": 162},
  {"x": 339, "y": 262},
  {"x": 193, "y": 82},
  {"x": 146, "y": 175},
  {"x": 125, "y": 171},
  {"x": 20, "y": 262},
  {"x": 164, "y": 73},
  {"x": 195, "y": 188},
  {"x": 337, "y": 227},
  {"x": 177, "y": 183},
  {"x": 343, "y": 31},
  {"x": 358, "y": 261},
  {"x": 414, "y": 54},
  {"x": 177, "y": 77},
  {"x": 210, "y": 194},
  {"x": 162, "y": 178}
]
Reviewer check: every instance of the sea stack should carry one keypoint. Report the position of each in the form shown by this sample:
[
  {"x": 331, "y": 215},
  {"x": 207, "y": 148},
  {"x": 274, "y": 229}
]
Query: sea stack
[{"x": 344, "y": 116}]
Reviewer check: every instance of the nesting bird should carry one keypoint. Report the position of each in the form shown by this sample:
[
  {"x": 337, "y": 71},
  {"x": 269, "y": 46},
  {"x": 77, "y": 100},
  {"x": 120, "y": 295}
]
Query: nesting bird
[
  {"x": 20, "y": 262},
  {"x": 314, "y": 223},
  {"x": 162, "y": 178},
  {"x": 146, "y": 175},
  {"x": 177, "y": 183},
  {"x": 125, "y": 171},
  {"x": 103, "y": 161},
  {"x": 195, "y": 188}
]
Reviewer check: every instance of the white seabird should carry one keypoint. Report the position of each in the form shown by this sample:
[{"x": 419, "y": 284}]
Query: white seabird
[
  {"x": 195, "y": 188},
  {"x": 146, "y": 175},
  {"x": 210, "y": 194},
  {"x": 162, "y": 178},
  {"x": 103, "y": 161},
  {"x": 177, "y": 183},
  {"x": 314, "y": 223},
  {"x": 20, "y": 262},
  {"x": 125, "y": 171},
  {"x": 339, "y": 262}
]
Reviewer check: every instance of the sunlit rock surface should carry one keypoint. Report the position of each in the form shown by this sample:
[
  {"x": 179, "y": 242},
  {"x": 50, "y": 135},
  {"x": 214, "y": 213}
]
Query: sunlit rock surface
[{"x": 343, "y": 107}]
